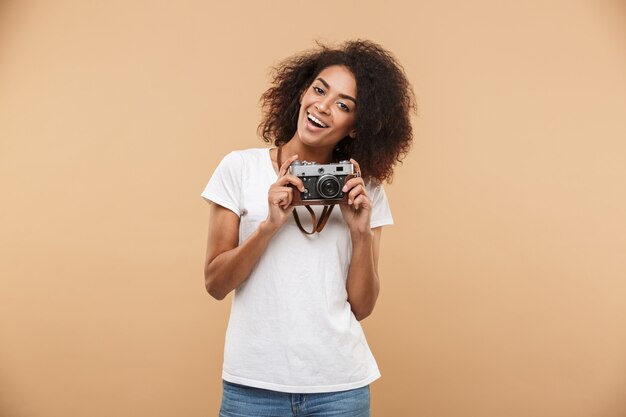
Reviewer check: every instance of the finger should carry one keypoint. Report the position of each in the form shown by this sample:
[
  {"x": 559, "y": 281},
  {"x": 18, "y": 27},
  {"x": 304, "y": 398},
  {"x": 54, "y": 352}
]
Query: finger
[
  {"x": 291, "y": 179},
  {"x": 281, "y": 197},
  {"x": 285, "y": 166},
  {"x": 276, "y": 189},
  {"x": 361, "y": 202},
  {"x": 355, "y": 192},
  {"x": 279, "y": 190},
  {"x": 351, "y": 183}
]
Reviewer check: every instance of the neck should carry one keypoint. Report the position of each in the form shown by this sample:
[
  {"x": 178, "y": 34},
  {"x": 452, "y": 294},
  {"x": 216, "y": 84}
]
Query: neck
[{"x": 306, "y": 153}]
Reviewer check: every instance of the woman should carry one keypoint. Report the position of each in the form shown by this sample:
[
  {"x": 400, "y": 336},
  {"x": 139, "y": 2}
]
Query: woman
[{"x": 294, "y": 345}]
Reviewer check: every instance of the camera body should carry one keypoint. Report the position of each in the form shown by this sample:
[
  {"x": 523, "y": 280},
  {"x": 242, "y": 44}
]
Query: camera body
[{"x": 322, "y": 182}]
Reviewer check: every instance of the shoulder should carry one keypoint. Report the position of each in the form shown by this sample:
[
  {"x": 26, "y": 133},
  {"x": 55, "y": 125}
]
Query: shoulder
[
  {"x": 372, "y": 185},
  {"x": 376, "y": 192},
  {"x": 249, "y": 154},
  {"x": 245, "y": 157}
]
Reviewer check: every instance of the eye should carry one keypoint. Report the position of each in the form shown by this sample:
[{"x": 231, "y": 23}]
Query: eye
[
  {"x": 318, "y": 90},
  {"x": 343, "y": 107}
]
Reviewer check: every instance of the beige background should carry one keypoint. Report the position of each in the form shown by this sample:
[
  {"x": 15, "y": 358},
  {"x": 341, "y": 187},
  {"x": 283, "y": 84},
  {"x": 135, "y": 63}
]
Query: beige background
[{"x": 503, "y": 280}]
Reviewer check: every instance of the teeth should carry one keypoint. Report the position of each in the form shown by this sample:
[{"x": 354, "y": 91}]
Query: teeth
[{"x": 316, "y": 120}]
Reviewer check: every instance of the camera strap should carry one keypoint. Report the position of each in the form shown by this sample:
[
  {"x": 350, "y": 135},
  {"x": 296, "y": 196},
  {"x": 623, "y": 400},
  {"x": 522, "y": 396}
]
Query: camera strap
[{"x": 318, "y": 225}]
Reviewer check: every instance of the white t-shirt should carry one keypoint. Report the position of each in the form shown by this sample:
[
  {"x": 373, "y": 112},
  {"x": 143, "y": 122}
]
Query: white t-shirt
[{"x": 291, "y": 328}]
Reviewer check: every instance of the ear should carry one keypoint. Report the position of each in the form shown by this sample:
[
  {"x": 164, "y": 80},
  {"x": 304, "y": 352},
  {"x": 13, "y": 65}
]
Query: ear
[{"x": 352, "y": 134}]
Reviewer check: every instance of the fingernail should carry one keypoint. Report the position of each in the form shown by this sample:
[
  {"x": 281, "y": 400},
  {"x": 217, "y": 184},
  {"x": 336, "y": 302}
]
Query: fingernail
[
  {"x": 345, "y": 188},
  {"x": 349, "y": 201}
]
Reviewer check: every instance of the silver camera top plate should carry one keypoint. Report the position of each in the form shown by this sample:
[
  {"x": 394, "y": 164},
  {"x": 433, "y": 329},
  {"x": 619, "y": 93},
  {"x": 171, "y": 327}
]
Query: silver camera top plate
[{"x": 310, "y": 169}]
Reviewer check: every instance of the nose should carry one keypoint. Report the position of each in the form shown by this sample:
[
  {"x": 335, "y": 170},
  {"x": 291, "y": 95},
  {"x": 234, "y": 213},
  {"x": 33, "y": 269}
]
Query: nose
[{"x": 323, "y": 105}]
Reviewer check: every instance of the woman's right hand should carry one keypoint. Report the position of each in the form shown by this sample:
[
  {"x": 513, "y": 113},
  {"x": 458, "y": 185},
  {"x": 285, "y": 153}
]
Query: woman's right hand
[{"x": 280, "y": 195}]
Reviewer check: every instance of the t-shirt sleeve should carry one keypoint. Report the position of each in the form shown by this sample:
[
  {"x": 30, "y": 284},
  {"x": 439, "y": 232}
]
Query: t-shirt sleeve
[
  {"x": 381, "y": 213},
  {"x": 224, "y": 187}
]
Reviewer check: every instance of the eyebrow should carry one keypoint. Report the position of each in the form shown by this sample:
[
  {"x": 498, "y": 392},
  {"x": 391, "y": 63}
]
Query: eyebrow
[{"x": 347, "y": 97}]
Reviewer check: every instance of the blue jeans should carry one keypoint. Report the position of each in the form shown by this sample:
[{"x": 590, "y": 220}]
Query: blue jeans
[{"x": 242, "y": 401}]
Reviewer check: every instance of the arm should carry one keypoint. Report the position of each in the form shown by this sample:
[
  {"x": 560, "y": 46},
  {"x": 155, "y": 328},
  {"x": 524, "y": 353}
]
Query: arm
[
  {"x": 363, "y": 284},
  {"x": 229, "y": 264}
]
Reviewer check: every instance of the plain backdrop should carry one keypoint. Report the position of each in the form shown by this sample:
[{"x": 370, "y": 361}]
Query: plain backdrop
[{"x": 503, "y": 279}]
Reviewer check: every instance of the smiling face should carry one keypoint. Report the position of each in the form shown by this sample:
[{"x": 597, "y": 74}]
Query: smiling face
[{"x": 328, "y": 109}]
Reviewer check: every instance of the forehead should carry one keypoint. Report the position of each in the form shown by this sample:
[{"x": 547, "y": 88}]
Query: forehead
[{"x": 340, "y": 79}]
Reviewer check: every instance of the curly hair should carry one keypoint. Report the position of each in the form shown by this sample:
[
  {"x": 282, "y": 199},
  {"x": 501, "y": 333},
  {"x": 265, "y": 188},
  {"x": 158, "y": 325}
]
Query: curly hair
[{"x": 384, "y": 102}]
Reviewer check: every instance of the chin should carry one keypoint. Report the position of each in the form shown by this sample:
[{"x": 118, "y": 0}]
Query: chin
[{"x": 305, "y": 136}]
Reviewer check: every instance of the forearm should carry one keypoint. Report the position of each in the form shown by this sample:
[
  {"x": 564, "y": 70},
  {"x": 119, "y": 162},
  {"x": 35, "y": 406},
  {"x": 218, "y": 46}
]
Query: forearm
[
  {"x": 362, "y": 284},
  {"x": 230, "y": 269}
]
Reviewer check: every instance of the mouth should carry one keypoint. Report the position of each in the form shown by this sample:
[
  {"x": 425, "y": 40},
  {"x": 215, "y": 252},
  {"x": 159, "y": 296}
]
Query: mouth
[{"x": 315, "y": 121}]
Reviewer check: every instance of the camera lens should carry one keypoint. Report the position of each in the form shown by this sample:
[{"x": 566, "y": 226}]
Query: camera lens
[{"x": 328, "y": 186}]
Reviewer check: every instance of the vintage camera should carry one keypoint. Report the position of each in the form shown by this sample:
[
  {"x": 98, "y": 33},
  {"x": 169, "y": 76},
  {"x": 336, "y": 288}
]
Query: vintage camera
[{"x": 322, "y": 182}]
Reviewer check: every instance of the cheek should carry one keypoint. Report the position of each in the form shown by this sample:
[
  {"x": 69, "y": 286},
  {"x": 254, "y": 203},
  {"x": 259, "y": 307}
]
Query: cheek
[
  {"x": 348, "y": 121},
  {"x": 307, "y": 96}
]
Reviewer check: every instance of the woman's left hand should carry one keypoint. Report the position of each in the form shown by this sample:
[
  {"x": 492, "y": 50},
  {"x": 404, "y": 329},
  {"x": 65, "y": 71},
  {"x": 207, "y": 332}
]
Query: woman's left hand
[{"x": 357, "y": 213}]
